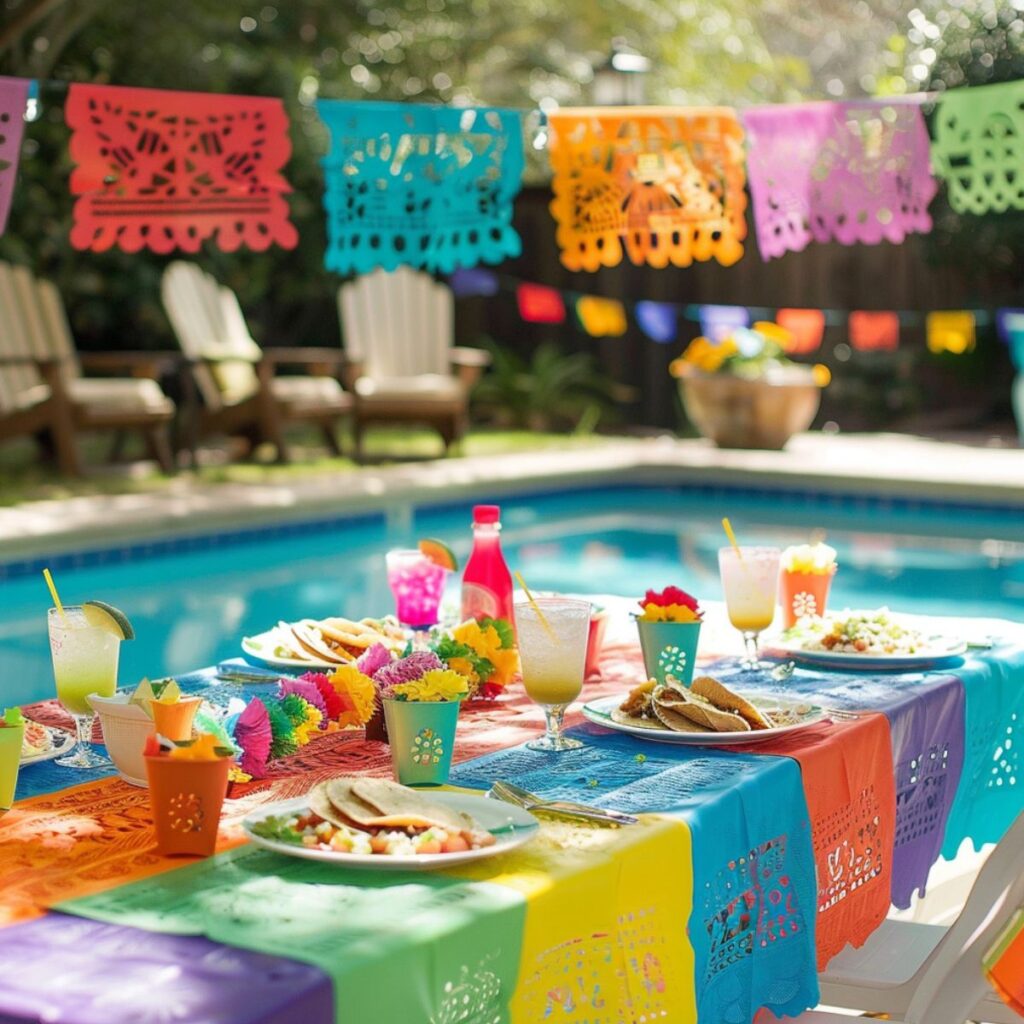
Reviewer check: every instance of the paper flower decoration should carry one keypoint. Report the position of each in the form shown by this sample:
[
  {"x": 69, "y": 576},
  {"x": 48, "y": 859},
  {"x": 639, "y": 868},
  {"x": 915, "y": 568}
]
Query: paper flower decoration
[
  {"x": 484, "y": 652},
  {"x": 405, "y": 670},
  {"x": 333, "y": 704},
  {"x": 282, "y": 731},
  {"x": 253, "y": 734},
  {"x": 308, "y": 692},
  {"x": 374, "y": 659},
  {"x": 670, "y": 605},
  {"x": 357, "y": 694},
  {"x": 439, "y": 684}
]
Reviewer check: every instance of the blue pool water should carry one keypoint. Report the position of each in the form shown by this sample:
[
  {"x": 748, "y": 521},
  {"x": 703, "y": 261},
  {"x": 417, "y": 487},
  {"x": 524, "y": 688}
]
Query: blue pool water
[{"x": 190, "y": 608}]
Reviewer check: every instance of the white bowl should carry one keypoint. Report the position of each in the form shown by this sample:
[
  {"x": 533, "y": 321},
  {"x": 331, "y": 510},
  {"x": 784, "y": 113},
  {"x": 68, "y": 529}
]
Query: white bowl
[{"x": 125, "y": 728}]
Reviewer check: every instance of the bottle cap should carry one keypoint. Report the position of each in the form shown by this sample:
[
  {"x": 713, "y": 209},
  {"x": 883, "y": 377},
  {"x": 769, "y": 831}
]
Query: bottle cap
[{"x": 486, "y": 513}]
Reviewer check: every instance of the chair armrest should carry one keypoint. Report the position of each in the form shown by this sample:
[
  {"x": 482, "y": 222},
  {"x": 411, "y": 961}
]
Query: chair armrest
[
  {"x": 351, "y": 372},
  {"x": 469, "y": 363},
  {"x": 138, "y": 364},
  {"x": 37, "y": 361},
  {"x": 305, "y": 356}
]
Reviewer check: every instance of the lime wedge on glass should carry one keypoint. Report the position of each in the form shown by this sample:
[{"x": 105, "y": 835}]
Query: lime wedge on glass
[{"x": 107, "y": 617}]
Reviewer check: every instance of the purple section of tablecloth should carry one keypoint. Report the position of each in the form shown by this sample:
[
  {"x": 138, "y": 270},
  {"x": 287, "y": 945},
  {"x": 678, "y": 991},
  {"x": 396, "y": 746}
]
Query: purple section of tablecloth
[
  {"x": 926, "y": 725},
  {"x": 69, "y": 970}
]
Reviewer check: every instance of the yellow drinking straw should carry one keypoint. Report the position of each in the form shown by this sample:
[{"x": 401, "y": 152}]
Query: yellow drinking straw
[
  {"x": 53, "y": 592},
  {"x": 727, "y": 526},
  {"x": 536, "y": 607}
]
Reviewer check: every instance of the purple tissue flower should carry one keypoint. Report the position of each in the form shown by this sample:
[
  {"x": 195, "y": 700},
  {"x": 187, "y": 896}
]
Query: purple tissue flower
[{"x": 405, "y": 670}]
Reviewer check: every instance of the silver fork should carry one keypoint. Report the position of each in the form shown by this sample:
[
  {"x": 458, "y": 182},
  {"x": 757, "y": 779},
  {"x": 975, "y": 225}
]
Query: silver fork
[{"x": 565, "y": 809}]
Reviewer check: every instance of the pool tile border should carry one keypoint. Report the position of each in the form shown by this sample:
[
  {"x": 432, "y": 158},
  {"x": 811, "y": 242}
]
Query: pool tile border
[{"x": 207, "y": 540}]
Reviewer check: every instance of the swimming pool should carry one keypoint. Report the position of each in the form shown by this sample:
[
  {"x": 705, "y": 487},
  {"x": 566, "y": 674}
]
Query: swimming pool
[{"x": 191, "y": 601}]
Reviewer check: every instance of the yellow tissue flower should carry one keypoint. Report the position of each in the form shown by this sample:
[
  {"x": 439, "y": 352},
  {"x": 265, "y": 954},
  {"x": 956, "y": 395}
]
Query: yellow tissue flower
[
  {"x": 668, "y": 613},
  {"x": 357, "y": 693},
  {"x": 311, "y": 724},
  {"x": 439, "y": 684}
]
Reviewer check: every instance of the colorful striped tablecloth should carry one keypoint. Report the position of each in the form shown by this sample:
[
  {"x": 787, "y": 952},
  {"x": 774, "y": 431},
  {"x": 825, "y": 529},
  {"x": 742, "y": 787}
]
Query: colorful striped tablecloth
[{"x": 750, "y": 868}]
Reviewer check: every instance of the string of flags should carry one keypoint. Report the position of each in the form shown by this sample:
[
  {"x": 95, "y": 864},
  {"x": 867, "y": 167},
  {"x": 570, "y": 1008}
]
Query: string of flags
[
  {"x": 433, "y": 187},
  {"x": 946, "y": 331}
]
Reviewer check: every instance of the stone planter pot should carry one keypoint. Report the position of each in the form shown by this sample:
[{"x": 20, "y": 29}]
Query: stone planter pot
[{"x": 738, "y": 413}]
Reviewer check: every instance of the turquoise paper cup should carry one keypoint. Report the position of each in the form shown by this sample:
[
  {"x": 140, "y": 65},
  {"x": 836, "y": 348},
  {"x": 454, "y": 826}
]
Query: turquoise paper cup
[
  {"x": 10, "y": 760},
  {"x": 421, "y": 734},
  {"x": 670, "y": 649}
]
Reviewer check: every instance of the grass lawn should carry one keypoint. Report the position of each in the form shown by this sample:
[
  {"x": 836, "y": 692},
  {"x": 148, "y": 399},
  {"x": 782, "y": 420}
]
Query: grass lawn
[{"x": 23, "y": 477}]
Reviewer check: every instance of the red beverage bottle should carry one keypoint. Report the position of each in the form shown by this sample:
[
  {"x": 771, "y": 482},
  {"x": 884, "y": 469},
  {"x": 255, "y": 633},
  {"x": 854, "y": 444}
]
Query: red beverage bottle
[{"x": 486, "y": 581}]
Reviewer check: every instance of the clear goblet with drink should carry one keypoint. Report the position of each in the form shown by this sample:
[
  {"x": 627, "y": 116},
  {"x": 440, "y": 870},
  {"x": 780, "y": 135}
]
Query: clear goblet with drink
[
  {"x": 750, "y": 579},
  {"x": 85, "y": 642},
  {"x": 552, "y": 635}
]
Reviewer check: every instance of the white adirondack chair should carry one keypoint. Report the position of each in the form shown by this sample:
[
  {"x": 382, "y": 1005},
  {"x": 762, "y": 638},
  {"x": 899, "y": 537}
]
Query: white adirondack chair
[
  {"x": 398, "y": 330},
  {"x": 930, "y": 974},
  {"x": 235, "y": 379},
  {"x": 43, "y": 391}
]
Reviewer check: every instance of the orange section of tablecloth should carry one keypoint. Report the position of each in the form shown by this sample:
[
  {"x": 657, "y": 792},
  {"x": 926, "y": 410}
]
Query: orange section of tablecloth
[
  {"x": 95, "y": 836},
  {"x": 849, "y": 783}
]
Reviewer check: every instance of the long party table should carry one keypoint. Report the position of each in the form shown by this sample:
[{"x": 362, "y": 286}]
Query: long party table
[{"x": 751, "y": 868}]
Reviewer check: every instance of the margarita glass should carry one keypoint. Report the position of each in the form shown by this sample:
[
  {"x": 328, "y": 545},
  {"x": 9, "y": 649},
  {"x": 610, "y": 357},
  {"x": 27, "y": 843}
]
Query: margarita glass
[
  {"x": 750, "y": 580},
  {"x": 552, "y": 633},
  {"x": 84, "y": 662}
]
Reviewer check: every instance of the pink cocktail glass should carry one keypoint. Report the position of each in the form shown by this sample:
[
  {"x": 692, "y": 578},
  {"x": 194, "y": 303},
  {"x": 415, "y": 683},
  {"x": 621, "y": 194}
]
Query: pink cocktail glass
[{"x": 418, "y": 586}]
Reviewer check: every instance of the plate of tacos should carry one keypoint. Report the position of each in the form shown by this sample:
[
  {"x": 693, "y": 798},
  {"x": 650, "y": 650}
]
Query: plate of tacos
[
  {"x": 359, "y": 822},
  {"x": 321, "y": 643},
  {"x": 707, "y": 714}
]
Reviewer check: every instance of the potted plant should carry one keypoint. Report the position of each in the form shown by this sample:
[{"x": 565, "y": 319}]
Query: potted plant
[{"x": 744, "y": 392}]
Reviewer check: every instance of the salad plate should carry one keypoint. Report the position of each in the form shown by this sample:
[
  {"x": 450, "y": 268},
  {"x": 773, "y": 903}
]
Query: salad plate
[
  {"x": 873, "y": 640},
  {"x": 511, "y": 827},
  {"x": 60, "y": 743},
  {"x": 267, "y": 650}
]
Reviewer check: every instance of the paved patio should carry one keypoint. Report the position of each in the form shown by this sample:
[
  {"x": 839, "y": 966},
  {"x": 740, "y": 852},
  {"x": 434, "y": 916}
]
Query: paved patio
[{"x": 870, "y": 464}]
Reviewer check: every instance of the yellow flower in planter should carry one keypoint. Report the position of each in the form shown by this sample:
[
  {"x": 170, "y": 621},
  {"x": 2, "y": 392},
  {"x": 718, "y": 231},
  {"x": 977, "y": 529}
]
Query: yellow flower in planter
[{"x": 436, "y": 685}]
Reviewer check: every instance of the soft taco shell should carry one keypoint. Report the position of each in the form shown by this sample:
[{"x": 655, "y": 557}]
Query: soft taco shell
[
  {"x": 396, "y": 806},
  {"x": 624, "y": 718},
  {"x": 312, "y": 643},
  {"x": 676, "y": 722},
  {"x": 724, "y": 699},
  {"x": 321, "y": 805},
  {"x": 698, "y": 709}
]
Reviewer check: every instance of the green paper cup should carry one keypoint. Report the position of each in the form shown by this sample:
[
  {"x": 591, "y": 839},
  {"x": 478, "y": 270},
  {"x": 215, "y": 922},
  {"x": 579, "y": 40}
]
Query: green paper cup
[
  {"x": 670, "y": 649},
  {"x": 10, "y": 758},
  {"x": 421, "y": 735}
]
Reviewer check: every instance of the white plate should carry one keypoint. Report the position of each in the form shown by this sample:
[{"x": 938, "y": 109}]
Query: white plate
[
  {"x": 63, "y": 741},
  {"x": 512, "y": 827},
  {"x": 935, "y": 650},
  {"x": 599, "y": 712},
  {"x": 259, "y": 650}
]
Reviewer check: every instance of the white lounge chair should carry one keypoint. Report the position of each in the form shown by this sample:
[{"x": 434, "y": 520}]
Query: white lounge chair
[
  {"x": 235, "y": 381},
  {"x": 43, "y": 391},
  {"x": 931, "y": 974},
  {"x": 398, "y": 331}
]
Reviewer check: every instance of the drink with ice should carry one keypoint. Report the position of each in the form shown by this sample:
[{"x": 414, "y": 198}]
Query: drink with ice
[
  {"x": 85, "y": 653},
  {"x": 418, "y": 586},
  {"x": 552, "y": 635},
  {"x": 750, "y": 580}
]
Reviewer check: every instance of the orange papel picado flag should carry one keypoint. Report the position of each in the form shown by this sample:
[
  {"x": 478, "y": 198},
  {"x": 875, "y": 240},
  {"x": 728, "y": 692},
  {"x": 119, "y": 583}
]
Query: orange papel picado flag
[
  {"x": 663, "y": 184},
  {"x": 874, "y": 330},
  {"x": 951, "y": 331},
  {"x": 601, "y": 318},
  {"x": 806, "y": 328}
]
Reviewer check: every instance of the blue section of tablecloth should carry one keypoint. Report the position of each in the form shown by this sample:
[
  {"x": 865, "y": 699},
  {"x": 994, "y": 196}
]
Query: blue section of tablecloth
[
  {"x": 48, "y": 777},
  {"x": 991, "y": 791},
  {"x": 752, "y": 927}
]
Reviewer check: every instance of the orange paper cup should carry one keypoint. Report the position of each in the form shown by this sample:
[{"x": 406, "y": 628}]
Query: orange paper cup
[
  {"x": 174, "y": 721},
  {"x": 186, "y": 798},
  {"x": 803, "y": 593}
]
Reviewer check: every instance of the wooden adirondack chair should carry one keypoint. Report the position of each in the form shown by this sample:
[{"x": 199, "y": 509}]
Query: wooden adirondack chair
[
  {"x": 398, "y": 330},
  {"x": 234, "y": 383},
  {"x": 42, "y": 389}
]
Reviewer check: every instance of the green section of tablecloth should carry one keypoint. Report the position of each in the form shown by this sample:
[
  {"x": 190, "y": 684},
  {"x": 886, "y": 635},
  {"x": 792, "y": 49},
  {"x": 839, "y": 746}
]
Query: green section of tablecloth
[{"x": 415, "y": 948}]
